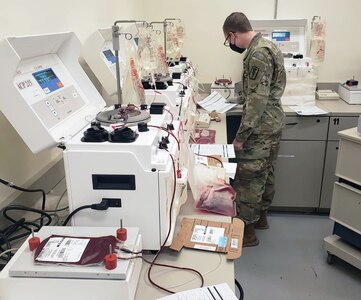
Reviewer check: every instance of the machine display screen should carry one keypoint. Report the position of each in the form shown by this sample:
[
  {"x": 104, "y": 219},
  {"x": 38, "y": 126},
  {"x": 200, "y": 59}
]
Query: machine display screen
[
  {"x": 281, "y": 36},
  {"x": 109, "y": 55},
  {"x": 48, "y": 81}
]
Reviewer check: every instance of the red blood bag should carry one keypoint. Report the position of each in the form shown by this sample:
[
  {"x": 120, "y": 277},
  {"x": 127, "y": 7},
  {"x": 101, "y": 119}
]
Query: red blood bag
[{"x": 70, "y": 250}]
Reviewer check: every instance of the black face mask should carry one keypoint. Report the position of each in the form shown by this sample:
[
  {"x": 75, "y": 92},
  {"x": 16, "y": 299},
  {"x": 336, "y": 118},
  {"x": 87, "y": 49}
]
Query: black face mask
[{"x": 237, "y": 49}]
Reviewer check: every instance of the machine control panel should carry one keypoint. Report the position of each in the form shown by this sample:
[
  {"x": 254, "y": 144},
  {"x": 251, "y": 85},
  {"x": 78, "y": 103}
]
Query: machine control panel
[{"x": 48, "y": 89}]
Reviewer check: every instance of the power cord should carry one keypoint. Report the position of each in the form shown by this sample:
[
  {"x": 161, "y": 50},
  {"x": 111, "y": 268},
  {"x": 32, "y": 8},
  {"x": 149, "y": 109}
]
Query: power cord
[
  {"x": 15, "y": 187},
  {"x": 103, "y": 205},
  {"x": 241, "y": 292}
]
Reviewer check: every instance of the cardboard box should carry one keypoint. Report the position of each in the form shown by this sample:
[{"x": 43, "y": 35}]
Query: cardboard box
[{"x": 211, "y": 236}]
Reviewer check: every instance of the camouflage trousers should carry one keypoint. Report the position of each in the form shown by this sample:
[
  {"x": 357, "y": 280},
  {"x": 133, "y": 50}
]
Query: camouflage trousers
[{"x": 254, "y": 180}]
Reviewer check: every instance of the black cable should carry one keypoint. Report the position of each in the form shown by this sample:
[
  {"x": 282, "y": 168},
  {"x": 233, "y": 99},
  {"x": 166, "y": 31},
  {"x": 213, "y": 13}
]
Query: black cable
[
  {"x": 8, "y": 245},
  {"x": 103, "y": 205},
  {"x": 241, "y": 292},
  {"x": 74, "y": 212},
  {"x": 10, "y": 184},
  {"x": 24, "y": 208}
]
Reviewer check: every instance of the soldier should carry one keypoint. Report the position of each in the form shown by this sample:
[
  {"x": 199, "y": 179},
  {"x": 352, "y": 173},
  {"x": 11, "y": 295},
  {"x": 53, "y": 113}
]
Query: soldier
[{"x": 258, "y": 137}]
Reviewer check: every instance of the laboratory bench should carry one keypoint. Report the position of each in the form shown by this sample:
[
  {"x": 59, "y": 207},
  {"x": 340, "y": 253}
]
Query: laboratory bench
[{"x": 305, "y": 168}]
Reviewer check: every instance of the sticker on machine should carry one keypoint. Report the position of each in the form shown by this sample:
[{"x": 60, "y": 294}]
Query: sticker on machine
[
  {"x": 207, "y": 234},
  {"x": 63, "y": 249}
]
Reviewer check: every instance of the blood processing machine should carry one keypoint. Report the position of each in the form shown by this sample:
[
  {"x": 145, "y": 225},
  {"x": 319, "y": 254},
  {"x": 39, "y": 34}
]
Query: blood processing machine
[
  {"x": 290, "y": 37},
  {"x": 51, "y": 102}
]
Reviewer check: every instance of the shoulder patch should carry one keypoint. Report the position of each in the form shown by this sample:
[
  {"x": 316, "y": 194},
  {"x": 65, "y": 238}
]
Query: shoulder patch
[{"x": 254, "y": 72}]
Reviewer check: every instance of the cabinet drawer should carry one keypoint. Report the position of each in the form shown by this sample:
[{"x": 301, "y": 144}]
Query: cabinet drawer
[
  {"x": 346, "y": 206},
  {"x": 305, "y": 128},
  {"x": 340, "y": 123},
  {"x": 349, "y": 161},
  {"x": 298, "y": 174}
]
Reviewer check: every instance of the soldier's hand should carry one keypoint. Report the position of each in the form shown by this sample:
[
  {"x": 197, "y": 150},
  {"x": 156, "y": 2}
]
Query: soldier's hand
[{"x": 237, "y": 145}]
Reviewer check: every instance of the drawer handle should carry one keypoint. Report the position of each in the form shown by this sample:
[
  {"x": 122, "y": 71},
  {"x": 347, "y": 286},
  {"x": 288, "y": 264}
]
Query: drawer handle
[{"x": 291, "y": 124}]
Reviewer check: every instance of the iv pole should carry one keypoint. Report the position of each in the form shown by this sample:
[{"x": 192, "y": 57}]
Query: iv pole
[
  {"x": 115, "y": 38},
  {"x": 165, "y": 24}
]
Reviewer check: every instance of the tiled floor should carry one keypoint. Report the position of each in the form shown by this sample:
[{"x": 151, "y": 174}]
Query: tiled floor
[{"x": 290, "y": 263}]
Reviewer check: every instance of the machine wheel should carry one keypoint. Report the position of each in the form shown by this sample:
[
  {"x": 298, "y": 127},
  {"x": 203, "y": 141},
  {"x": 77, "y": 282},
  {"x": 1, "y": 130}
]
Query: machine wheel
[{"x": 330, "y": 258}]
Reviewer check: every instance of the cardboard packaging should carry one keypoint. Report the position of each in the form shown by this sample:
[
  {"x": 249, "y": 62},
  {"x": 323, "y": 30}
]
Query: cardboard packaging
[{"x": 211, "y": 236}]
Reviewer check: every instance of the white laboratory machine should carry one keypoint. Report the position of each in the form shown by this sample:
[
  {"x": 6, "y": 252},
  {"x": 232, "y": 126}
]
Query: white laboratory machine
[
  {"x": 290, "y": 36},
  {"x": 224, "y": 86},
  {"x": 50, "y": 101},
  {"x": 350, "y": 94},
  {"x": 99, "y": 55},
  {"x": 22, "y": 278}
]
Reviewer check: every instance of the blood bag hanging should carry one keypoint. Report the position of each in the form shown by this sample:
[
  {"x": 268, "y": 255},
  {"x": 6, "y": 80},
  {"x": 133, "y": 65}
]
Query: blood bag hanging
[
  {"x": 132, "y": 87},
  {"x": 175, "y": 39},
  {"x": 162, "y": 66},
  {"x": 147, "y": 51},
  {"x": 317, "y": 41}
]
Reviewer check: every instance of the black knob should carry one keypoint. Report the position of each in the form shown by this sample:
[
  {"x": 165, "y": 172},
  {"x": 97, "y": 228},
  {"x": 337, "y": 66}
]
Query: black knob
[{"x": 142, "y": 127}]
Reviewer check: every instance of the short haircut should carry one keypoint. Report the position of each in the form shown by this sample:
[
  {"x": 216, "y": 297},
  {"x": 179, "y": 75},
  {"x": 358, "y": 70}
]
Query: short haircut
[{"x": 236, "y": 22}]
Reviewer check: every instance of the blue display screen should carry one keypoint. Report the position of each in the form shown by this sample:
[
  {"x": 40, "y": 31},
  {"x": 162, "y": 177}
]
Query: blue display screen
[
  {"x": 47, "y": 80},
  {"x": 109, "y": 56},
  {"x": 281, "y": 36}
]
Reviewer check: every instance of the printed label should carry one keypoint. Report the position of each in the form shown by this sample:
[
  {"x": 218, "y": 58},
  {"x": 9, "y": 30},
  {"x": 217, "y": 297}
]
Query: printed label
[
  {"x": 234, "y": 243},
  {"x": 207, "y": 234},
  {"x": 61, "y": 249}
]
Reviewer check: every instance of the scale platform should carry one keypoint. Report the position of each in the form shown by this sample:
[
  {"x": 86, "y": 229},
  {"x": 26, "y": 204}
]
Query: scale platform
[{"x": 75, "y": 282}]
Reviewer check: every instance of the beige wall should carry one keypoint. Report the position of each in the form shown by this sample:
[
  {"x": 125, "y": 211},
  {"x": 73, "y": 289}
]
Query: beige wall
[{"x": 204, "y": 20}]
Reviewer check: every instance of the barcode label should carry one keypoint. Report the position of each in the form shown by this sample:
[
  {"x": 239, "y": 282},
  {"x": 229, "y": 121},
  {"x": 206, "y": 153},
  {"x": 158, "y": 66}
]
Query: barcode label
[
  {"x": 234, "y": 243},
  {"x": 61, "y": 253},
  {"x": 207, "y": 234},
  {"x": 63, "y": 250}
]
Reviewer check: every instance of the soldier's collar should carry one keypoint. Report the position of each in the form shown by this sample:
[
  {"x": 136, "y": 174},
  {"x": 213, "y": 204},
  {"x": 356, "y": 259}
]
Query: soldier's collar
[{"x": 253, "y": 41}]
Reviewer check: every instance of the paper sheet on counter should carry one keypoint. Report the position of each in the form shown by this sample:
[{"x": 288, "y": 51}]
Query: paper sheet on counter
[
  {"x": 308, "y": 110},
  {"x": 226, "y": 151},
  {"x": 216, "y": 102},
  {"x": 213, "y": 292}
]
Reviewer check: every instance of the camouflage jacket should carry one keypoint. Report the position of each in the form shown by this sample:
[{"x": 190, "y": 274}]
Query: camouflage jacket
[{"x": 264, "y": 80}]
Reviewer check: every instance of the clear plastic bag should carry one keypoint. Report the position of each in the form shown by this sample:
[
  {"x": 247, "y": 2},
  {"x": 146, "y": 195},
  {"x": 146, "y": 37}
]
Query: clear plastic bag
[{"x": 210, "y": 190}]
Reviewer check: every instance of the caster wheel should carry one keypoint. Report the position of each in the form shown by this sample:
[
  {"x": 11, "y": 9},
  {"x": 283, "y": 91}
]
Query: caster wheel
[{"x": 330, "y": 258}]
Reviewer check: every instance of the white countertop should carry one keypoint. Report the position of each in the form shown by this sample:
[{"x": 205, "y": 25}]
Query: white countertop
[{"x": 333, "y": 107}]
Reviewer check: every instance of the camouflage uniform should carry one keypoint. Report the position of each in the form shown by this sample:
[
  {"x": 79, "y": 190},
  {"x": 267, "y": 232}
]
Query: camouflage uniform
[{"x": 264, "y": 80}]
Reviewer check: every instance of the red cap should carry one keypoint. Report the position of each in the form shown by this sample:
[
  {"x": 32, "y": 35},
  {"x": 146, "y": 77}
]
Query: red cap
[
  {"x": 34, "y": 243},
  {"x": 110, "y": 261},
  {"x": 122, "y": 234}
]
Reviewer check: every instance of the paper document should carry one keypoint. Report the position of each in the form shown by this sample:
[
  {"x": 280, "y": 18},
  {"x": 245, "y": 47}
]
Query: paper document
[
  {"x": 308, "y": 110},
  {"x": 216, "y": 102},
  {"x": 230, "y": 168},
  {"x": 214, "y": 292},
  {"x": 214, "y": 149}
]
